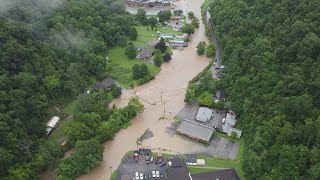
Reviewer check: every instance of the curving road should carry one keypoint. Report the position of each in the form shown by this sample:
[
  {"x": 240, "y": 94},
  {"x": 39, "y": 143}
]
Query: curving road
[{"x": 216, "y": 65}]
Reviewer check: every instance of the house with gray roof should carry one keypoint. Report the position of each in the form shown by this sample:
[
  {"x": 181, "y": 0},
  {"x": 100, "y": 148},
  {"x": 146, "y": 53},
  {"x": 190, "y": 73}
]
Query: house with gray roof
[
  {"x": 145, "y": 54},
  {"x": 229, "y": 125},
  {"x": 204, "y": 114},
  {"x": 104, "y": 84}
]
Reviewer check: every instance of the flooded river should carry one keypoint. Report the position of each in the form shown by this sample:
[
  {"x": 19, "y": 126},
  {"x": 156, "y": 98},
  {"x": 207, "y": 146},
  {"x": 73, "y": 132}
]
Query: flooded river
[{"x": 170, "y": 84}]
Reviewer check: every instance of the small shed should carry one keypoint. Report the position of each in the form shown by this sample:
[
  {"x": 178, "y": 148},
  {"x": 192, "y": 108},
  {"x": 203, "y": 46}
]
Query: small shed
[
  {"x": 204, "y": 114},
  {"x": 201, "y": 162},
  {"x": 104, "y": 84},
  {"x": 159, "y": 154},
  {"x": 52, "y": 123}
]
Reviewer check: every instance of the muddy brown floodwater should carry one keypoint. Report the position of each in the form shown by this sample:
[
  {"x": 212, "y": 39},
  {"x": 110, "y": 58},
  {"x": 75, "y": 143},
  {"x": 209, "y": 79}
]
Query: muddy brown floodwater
[{"x": 171, "y": 83}]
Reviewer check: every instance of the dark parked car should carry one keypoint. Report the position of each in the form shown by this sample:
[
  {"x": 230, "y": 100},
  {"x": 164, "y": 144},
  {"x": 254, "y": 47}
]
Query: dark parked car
[
  {"x": 156, "y": 160},
  {"x": 164, "y": 163},
  {"x": 150, "y": 176}
]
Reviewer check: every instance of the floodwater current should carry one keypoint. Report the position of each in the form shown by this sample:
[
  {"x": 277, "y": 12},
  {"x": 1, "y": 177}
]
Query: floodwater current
[{"x": 162, "y": 97}]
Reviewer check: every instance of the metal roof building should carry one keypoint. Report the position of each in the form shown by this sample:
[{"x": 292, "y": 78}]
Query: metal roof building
[
  {"x": 52, "y": 123},
  {"x": 195, "y": 130},
  {"x": 204, "y": 114}
]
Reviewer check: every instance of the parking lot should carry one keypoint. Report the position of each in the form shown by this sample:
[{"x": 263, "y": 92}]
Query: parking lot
[{"x": 129, "y": 166}]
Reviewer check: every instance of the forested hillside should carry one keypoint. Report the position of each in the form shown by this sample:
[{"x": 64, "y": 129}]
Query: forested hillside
[
  {"x": 50, "y": 51},
  {"x": 271, "y": 51}
]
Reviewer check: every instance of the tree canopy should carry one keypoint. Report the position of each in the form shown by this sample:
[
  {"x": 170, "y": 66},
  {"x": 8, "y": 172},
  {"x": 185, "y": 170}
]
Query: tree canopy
[
  {"x": 271, "y": 57},
  {"x": 50, "y": 51}
]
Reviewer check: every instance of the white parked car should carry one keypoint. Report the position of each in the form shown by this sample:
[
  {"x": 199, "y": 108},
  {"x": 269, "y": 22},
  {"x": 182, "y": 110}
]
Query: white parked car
[
  {"x": 137, "y": 176},
  {"x": 157, "y": 174},
  {"x": 141, "y": 176},
  {"x": 153, "y": 174}
]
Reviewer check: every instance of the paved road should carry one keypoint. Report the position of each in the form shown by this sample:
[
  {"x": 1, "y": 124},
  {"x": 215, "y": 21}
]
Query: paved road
[{"x": 216, "y": 44}]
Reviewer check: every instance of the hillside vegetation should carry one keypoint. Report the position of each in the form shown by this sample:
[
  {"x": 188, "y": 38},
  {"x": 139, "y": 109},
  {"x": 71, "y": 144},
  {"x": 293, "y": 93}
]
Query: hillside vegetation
[
  {"x": 50, "y": 51},
  {"x": 271, "y": 51}
]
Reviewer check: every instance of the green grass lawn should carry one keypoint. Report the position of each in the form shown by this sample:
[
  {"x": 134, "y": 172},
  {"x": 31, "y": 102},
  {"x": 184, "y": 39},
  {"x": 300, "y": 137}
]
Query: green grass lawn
[
  {"x": 70, "y": 108},
  {"x": 120, "y": 67},
  {"x": 195, "y": 170}
]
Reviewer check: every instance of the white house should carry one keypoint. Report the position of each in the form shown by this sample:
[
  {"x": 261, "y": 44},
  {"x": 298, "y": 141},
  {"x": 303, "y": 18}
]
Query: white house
[{"x": 166, "y": 35}]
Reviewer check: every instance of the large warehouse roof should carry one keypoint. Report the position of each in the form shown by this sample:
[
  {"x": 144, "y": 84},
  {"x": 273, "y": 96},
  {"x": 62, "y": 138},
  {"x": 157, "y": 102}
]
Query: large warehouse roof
[{"x": 195, "y": 130}]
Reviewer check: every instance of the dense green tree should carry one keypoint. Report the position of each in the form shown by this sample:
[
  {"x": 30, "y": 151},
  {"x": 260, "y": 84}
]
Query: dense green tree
[
  {"x": 271, "y": 58},
  {"x": 115, "y": 91},
  {"x": 164, "y": 16},
  {"x": 153, "y": 22},
  {"x": 178, "y": 12},
  {"x": 133, "y": 34},
  {"x": 141, "y": 16},
  {"x": 167, "y": 57},
  {"x": 201, "y": 48},
  {"x": 158, "y": 59},
  {"x": 136, "y": 71},
  {"x": 191, "y": 93},
  {"x": 190, "y": 15},
  {"x": 49, "y": 55},
  {"x": 87, "y": 155},
  {"x": 131, "y": 51},
  {"x": 195, "y": 22},
  {"x": 161, "y": 45},
  {"x": 210, "y": 51},
  {"x": 188, "y": 28},
  {"x": 140, "y": 71}
]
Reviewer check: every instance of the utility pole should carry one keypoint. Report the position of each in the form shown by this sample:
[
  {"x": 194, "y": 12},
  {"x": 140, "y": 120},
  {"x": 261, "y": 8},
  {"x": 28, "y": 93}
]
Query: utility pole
[{"x": 164, "y": 110}]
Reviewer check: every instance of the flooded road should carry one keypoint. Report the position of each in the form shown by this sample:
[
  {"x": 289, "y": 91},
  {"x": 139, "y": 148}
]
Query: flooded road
[{"x": 162, "y": 97}]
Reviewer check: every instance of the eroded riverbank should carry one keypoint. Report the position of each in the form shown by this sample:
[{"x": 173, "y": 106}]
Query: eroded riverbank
[{"x": 170, "y": 84}]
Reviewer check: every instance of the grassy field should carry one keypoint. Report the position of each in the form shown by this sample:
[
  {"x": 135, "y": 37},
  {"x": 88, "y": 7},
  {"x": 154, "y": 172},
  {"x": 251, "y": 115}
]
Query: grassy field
[{"x": 120, "y": 67}]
